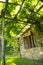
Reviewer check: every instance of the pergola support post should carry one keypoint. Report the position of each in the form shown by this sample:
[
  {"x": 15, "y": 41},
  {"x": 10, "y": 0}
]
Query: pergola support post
[{"x": 3, "y": 44}]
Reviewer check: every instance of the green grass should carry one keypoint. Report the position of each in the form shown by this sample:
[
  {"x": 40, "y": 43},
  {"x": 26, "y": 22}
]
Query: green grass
[
  {"x": 23, "y": 61},
  {"x": 0, "y": 61}
]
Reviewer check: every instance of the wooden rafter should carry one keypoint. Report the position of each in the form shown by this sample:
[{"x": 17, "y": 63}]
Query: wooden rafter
[
  {"x": 16, "y": 14},
  {"x": 19, "y": 11},
  {"x": 10, "y": 3},
  {"x": 32, "y": 22},
  {"x": 36, "y": 4}
]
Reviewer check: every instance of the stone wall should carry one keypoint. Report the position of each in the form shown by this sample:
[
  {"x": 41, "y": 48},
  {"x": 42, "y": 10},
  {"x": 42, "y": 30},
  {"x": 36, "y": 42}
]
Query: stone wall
[
  {"x": 38, "y": 40},
  {"x": 32, "y": 53}
]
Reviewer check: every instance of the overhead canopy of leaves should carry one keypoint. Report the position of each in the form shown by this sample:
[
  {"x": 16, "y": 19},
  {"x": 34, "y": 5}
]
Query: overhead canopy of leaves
[{"x": 20, "y": 13}]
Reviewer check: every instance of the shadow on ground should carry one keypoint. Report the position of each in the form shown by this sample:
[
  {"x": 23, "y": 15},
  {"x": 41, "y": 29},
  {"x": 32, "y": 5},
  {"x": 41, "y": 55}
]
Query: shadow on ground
[{"x": 23, "y": 61}]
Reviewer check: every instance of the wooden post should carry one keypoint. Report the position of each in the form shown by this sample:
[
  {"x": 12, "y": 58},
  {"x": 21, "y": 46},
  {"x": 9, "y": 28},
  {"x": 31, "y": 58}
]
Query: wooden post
[
  {"x": 3, "y": 50},
  {"x": 3, "y": 44},
  {"x": 32, "y": 40}
]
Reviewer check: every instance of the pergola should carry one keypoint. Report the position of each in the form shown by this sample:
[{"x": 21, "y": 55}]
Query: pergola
[{"x": 12, "y": 18}]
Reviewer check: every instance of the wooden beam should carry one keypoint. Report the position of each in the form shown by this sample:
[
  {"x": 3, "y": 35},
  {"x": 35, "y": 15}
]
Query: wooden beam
[
  {"x": 10, "y": 3},
  {"x": 36, "y": 4},
  {"x": 29, "y": 17},
  {"x": 25, "y": 32},
  {"x": 19, "y": 9},
  {"x": 39, "y": 8}
]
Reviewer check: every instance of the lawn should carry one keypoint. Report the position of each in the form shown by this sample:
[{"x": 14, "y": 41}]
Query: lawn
[
  {"x": 22, "y": 61},
  {"x": 0, "y": 61}
]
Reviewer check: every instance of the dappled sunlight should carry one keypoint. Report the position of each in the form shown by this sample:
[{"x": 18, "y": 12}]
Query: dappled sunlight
[
  {"x": 15, "y": 11},
  {"x": 13, "y": 34},
  {"x": 21, "y": 32},
  {"x": 9, "y": 60},
  {"x": 13, "y": 64}
]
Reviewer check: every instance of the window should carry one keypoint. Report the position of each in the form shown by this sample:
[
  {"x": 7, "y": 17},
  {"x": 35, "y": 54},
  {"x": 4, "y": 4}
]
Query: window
[{"x": 29, "y": 42}]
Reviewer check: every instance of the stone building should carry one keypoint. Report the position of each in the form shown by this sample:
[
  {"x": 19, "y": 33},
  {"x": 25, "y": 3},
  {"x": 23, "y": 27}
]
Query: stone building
[{"x": 30, "y": 44}]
